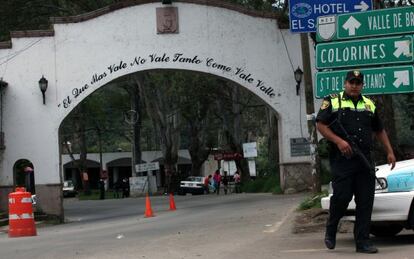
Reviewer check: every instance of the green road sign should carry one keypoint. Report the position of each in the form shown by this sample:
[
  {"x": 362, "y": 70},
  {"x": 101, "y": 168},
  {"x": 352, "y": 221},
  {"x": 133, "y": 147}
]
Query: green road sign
[
  {"x": 384, "y": 80},
  {"x": 365, "y": 24},
  {"x": 378, "y": 22},
  {"x": 368, "y": 52}
]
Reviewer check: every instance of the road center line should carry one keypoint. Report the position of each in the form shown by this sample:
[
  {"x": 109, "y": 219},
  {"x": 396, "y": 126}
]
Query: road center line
[{"x": 302, "y": 250}]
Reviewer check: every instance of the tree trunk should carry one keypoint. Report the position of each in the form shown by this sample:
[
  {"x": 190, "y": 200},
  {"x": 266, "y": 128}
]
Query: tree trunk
[
  {"x": 163, "y": 116},
  {"x": 136, "y": 128},
  {"x": 198, "y": 149},
  {"x": 83, "y": 149},
  {"x": 236, "y": 138},
  {"x": 273, "y": 138}
]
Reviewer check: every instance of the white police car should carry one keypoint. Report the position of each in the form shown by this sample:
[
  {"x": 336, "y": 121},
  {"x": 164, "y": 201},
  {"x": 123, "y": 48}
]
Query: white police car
[{"x": 393, "y": 204}]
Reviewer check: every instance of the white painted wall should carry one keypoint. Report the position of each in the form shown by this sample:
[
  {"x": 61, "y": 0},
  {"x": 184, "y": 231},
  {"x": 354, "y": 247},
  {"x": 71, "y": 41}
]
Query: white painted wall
[
  {"x": 147, "y": 156},
  {"x": 78, "y": 51}
]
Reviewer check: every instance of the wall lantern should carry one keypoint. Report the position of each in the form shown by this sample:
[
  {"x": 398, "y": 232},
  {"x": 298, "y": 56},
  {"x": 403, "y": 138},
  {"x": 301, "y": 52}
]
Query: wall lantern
[
  {"x": 43, "y": 87},
  {"x": 166, "y": 1},
  {"x": 3, "y": 84},
  {"x": 298, "y": 77}
]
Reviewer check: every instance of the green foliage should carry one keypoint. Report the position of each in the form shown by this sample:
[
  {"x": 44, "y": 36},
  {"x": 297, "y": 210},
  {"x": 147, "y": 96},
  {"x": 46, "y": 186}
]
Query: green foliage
[
  {"x": 313, "y": 201},
  {"x": 404, "y": 118},
  {"x": 323, "y": 148},
  {"x": 95, "y": 194},
  {"x": 325, "y": 174},
  {"x": 103, "y": 115},
  {"x": 262, "y": 185},
  {"x": 265, "y": 167},
  {"x": 323, "y": 151},
  {"x": 34, "y": 14}
]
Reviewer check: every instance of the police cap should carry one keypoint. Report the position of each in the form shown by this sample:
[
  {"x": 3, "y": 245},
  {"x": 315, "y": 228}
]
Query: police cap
[{"x": 355, "y": 75}]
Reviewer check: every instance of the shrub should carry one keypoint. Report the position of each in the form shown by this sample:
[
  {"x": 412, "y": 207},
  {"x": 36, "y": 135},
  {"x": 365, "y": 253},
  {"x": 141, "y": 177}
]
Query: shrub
[
  {"x": 313, "y": 201},
  {"x": 263, "y": 184}
]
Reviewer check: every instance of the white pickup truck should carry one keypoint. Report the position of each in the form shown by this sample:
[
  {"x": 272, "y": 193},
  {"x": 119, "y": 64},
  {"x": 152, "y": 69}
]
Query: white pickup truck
[{"x": 393, "y": 204}]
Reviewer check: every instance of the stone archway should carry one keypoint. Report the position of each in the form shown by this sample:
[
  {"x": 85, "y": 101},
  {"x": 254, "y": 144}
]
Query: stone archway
[{"x": 83, "y": 53}]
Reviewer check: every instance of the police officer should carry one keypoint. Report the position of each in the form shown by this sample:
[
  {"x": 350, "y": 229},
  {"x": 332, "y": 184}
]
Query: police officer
[{"x": 350, "y": 175}]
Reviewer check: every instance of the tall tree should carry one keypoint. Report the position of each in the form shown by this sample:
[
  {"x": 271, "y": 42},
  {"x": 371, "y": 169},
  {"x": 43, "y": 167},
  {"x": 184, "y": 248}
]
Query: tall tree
[
  {"x": 156, "y": 93},
  {"x": 196, "y": 99}
]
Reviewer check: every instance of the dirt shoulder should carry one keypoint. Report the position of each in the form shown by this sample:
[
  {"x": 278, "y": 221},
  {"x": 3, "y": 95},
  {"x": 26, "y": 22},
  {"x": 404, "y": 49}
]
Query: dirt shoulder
[{"x": 314, "y": 220}]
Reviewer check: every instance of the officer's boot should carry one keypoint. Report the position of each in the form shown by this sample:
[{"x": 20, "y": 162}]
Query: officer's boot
[{"x": 330, "y": 237}]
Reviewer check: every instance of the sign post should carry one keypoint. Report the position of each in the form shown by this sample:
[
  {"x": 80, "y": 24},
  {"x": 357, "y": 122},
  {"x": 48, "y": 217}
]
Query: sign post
[{"x": 147, "y": 167}]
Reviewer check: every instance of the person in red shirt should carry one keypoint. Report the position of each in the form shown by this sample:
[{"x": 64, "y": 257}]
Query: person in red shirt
[{"x": 217, "y": 181}]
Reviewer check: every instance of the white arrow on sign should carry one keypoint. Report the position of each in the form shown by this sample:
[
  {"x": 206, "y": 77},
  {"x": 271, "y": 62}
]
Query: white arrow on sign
[
  {"x": 401, "y": 77},
  {"x": 362, "y": 6},
  {"x": 351, "y": 25},
  {"x": 402, "y": 47}
]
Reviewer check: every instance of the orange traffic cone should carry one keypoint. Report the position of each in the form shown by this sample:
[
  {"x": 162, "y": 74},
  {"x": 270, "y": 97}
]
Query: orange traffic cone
[
  {"x": 148, "y": 210},
  {"x": 172, "y": 203}
]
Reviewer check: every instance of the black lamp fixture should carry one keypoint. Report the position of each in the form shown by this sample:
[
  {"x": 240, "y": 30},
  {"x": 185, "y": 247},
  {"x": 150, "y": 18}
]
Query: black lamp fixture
[
  {"x": 166, "y": 1},
  {"x": 43, "y": 87},
  {"x": 298, "y": 77},
  {"x": 3, "y": 84}
]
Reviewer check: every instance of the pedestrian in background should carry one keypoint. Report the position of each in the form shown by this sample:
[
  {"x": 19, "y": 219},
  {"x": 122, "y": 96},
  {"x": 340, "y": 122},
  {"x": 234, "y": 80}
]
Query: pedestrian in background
[
  {"x": 217, "y": 181},
  {"x": 101, "y": 189},
  {"x": 207, "y": 183},
  {"x": 125, "y": 186},
  {"x": 117, "y": 187},
  {"x": 348, "y": 120},
  {"x": 225, "y": 182},
  {"x": 236, "y": 178}
]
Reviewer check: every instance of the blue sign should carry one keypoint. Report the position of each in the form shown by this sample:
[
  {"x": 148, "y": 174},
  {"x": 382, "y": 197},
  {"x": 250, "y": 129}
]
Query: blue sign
[
  {"x": 303, "y": 14},
  {"x": 401, "y": 180}
]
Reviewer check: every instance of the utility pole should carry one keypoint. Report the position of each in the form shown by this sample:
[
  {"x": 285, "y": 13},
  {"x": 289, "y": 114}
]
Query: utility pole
[{"x": 310, "y": 110}]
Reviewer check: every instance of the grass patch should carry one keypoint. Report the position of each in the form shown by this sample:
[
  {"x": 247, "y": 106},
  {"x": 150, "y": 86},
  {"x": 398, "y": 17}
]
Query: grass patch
[
  {"x": 313, "y": 201},
  {"x": 95, "y": 194},
  {"x": 263, "y": 184}
]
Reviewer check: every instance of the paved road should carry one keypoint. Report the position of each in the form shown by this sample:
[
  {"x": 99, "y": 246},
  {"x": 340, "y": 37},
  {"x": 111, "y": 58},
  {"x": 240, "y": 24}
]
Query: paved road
[{"x": 241, "y": 226}]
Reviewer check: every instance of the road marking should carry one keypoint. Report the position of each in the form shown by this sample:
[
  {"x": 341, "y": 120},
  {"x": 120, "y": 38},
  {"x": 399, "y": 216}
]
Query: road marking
[
  {"x": 277, "y": 225},
  {"x": 302, "y": 250}
]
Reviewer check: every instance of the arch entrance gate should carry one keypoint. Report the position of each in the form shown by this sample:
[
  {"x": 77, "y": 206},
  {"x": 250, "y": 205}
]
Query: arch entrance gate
[{"x": 81, "y": 54}]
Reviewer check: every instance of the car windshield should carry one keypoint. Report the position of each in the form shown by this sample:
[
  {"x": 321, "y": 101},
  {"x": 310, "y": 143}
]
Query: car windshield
[
  {"x": 67, "y": 184},
  {"x": 194, "y": 179}
]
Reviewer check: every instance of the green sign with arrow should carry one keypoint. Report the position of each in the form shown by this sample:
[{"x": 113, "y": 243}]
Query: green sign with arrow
[
  {"x": 369, "y": 52},
  {"x": 384, "y": 80},
  {"x": 366, "y": 24}
]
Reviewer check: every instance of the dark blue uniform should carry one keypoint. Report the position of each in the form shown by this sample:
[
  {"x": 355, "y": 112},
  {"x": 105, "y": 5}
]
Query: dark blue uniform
[{"x": 349, "y": 175}]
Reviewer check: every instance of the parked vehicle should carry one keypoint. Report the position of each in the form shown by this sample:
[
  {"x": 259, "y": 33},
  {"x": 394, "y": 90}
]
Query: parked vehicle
[
  {"x": 193, "y": 185},
  {"x": 393, "y": 203},
  {"x": 69, "y": 189}
]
